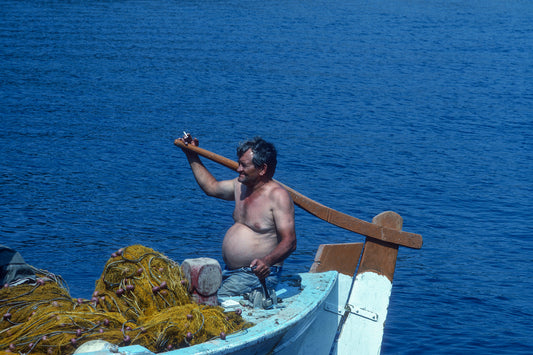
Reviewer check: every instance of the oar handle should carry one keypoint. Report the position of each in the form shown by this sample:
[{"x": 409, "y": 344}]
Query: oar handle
[
  {"x": 339, "y": 219},
  {"x": 209, "y": 155}
]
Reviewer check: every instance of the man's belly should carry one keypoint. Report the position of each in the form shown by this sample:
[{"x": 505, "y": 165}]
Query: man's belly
[{"x": 241, "y": 245}]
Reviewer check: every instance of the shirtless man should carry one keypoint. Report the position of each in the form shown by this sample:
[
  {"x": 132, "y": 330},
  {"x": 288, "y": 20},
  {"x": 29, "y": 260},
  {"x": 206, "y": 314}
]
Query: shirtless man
[{"x": 263, "y": 234}]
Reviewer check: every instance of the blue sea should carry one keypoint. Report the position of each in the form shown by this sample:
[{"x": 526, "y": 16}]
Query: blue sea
[{"x": 420, "y": 107}]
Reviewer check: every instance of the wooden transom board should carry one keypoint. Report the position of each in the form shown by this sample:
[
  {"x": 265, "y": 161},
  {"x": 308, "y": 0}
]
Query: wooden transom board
[{"x": 340, "y": 257}]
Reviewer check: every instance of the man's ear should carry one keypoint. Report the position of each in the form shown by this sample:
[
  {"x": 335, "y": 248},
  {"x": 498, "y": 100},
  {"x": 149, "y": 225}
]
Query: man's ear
[{"x": 263, "y": 169}]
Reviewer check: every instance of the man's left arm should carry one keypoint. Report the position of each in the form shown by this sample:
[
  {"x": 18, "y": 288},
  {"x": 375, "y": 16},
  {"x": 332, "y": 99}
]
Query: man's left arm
[{"x": 283, "y": 214}]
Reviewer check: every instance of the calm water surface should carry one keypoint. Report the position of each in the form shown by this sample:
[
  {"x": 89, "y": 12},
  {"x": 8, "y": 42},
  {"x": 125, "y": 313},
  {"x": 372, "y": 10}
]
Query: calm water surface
[{"x": 424, "y": 108}]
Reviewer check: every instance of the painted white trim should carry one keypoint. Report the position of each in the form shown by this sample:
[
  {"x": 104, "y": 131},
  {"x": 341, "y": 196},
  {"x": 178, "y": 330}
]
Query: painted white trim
[{"x": 363, "y": 335}]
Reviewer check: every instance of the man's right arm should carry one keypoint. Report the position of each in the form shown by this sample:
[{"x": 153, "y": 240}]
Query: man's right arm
[{"x": 212, "y": 187}]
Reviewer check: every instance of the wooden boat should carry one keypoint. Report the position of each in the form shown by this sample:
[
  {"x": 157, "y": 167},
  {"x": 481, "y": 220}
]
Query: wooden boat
[{"x": 338, "y": 307}]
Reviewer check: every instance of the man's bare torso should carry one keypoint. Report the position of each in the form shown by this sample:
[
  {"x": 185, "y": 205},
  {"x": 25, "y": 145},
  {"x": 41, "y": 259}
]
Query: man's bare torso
[{"x": 254, "y": 233}]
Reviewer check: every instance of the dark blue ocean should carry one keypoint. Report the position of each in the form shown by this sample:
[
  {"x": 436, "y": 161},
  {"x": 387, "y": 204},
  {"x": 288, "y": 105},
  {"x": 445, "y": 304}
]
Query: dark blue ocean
[{"x": 421, "y": 107}]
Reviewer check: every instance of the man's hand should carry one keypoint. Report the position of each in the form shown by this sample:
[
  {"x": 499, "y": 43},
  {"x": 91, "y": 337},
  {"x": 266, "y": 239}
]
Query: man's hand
[
  {"x": 260, "y": 269},
  {"x": 188, "y": 139}
]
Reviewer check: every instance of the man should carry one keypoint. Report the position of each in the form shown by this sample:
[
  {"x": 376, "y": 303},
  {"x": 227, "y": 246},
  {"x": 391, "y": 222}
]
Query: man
[{"x": 263, "y": 234}]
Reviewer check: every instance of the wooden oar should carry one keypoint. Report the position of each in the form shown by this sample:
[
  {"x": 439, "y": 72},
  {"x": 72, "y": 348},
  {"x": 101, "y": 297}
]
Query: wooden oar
[{"x": 339, "y": 219}]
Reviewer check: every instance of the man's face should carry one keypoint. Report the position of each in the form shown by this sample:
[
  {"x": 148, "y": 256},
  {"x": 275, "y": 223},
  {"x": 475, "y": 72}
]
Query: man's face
[{"x": 248, "y": 173}]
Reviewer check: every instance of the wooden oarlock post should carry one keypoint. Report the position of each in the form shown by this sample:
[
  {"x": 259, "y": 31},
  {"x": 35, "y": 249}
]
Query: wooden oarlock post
[{"x": 379, "y": 256}]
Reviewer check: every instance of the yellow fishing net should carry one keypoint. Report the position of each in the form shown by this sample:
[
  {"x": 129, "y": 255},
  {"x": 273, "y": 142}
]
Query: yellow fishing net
[{"x": 141, "y": 298}]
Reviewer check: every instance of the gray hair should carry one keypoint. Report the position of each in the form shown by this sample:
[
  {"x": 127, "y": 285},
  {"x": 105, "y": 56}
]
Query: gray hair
[{"x": 263, "y": 153}]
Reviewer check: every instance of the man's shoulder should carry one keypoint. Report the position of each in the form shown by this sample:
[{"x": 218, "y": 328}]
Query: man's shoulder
[{"x": 277, "y": 192}]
